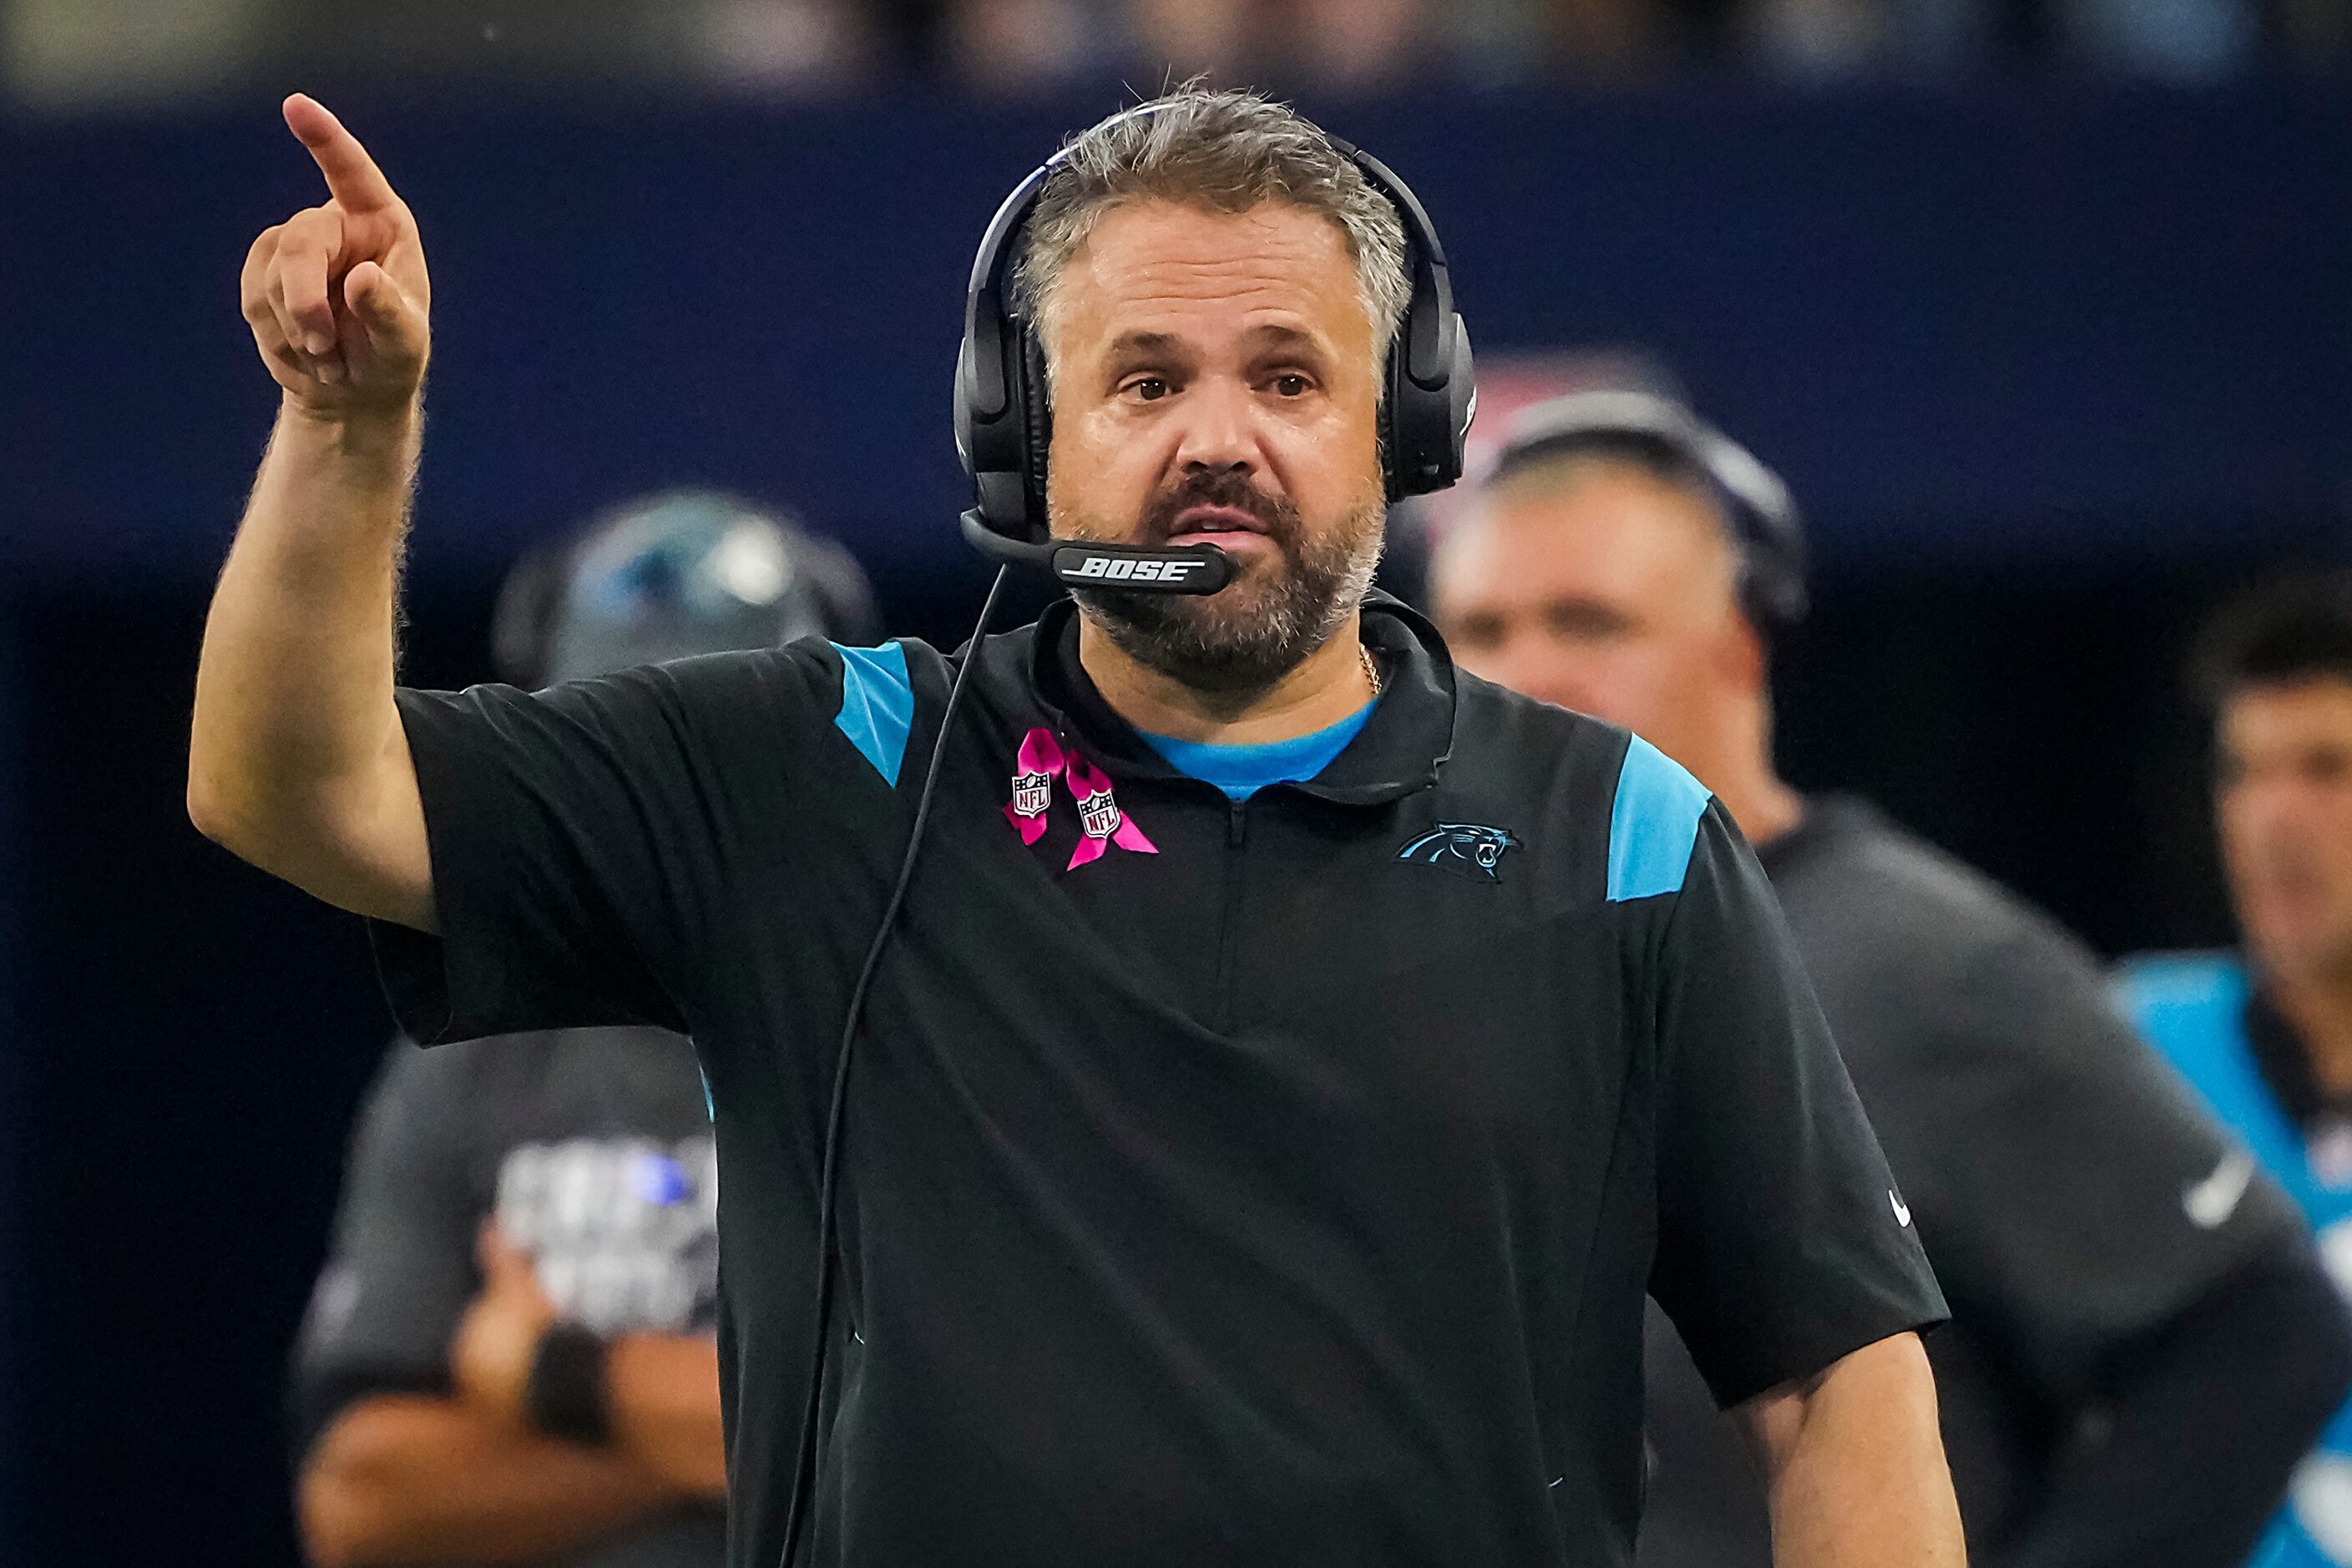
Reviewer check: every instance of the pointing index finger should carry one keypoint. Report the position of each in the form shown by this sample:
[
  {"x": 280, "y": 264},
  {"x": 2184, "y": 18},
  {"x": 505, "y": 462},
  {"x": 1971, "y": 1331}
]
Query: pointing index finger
[{"x": 352, "y": 178}]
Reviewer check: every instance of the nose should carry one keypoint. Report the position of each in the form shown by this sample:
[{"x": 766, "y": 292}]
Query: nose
[{"x": 1218, "y": 433}]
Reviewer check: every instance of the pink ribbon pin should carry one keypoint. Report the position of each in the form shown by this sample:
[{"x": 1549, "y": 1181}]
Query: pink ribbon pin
[
  {"x": 1099, "y": 815},
  {"x": 1032, "y": 784}
]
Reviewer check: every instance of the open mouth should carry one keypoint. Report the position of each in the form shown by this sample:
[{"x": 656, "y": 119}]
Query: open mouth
[{"x": 1213, "y": 525}]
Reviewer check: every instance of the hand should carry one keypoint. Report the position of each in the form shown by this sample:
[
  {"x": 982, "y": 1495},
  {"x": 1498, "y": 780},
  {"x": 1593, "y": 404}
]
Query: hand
[
  {"x": 491, "y": 1356},
  {"x": 337, "y": 296}
]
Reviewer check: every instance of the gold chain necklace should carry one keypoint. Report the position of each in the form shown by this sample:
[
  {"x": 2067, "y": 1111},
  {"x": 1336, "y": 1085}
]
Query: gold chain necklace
[{"x": 1371, "y": 668}]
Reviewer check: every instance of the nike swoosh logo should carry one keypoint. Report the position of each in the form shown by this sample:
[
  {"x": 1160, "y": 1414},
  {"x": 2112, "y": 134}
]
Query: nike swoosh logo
[
  {"x": 2210, "y": 1203},
  {"x": 1901, "y": 1214}
]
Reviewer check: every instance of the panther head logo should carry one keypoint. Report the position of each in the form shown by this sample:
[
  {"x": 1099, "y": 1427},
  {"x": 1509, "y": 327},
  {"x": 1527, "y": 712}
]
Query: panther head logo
[{"x": 1461, "y": 846}]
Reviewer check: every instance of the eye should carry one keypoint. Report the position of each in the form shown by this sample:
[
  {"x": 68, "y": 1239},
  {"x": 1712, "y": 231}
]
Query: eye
[
  {"x": 1477, "y": 631},
  {"x": 1290, "y": 385},
  {"x": 1581, "y": 620},
  {"x": 1147, "y": 388}
]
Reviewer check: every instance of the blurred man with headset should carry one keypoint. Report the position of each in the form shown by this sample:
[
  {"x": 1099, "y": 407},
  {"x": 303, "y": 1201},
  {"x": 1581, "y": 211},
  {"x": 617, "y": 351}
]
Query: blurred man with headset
[
  {"x": 2135, "y": 1357},
  {"x": 2266, "y": 1033},
  {"x": 1241, "y": 1075},
  {"x": 509, "y": 1354}
]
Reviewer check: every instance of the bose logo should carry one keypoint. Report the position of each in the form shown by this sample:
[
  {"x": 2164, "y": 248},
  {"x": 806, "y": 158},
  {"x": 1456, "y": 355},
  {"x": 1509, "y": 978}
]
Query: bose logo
[{"x": 1128, "y": 568}]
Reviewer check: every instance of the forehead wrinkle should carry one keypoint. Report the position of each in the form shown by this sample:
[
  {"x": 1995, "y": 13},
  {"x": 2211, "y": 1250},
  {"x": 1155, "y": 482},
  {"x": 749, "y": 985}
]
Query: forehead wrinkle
[
  {"x": 1284, "y": 269},
  {"x": 1187, "y": 234},
  {"x": 1164, "y": 284},
  {"x": 1278, "y": 323}
]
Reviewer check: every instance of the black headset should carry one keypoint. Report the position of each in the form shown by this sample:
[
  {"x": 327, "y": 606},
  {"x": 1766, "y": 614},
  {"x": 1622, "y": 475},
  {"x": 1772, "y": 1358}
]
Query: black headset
[
  {"x": 1003, "y": 421},
  {"x": 1765, "y": 527}
]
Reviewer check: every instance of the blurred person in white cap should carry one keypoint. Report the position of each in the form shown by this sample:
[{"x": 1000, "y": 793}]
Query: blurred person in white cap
[{"x": 2141, "y": 1343}]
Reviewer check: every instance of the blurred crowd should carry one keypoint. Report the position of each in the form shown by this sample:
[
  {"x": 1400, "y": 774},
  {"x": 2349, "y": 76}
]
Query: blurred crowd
[{"x": 61, "y": 52}]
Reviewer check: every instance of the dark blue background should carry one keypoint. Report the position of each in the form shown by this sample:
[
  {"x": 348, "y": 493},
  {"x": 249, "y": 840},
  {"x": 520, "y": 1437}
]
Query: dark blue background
[{"x": 1960, "y": 325}]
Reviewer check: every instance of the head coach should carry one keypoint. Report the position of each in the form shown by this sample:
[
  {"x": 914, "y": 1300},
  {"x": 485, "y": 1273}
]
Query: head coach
[{"x": 1294, "y": 1060}]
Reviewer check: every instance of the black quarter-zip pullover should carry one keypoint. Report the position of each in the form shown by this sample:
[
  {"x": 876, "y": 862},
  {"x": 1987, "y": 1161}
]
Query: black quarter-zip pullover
[{"x": 1263, "y": 1184}]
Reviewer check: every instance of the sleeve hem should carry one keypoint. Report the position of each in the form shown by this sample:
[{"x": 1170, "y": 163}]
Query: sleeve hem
[{"x": 1816, "y": 1353}]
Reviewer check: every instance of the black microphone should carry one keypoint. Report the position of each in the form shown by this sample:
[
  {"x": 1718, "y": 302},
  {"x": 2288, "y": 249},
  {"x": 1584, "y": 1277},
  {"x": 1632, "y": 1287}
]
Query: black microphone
[{"x": 1194, "y": 569}]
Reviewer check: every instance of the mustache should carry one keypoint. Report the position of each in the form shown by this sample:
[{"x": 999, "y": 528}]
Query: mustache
[{"x": 1276, "y": 515}]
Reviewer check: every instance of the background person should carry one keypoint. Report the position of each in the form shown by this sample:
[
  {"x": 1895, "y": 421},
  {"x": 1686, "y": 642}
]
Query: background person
[
  {"x": 2266, "y": 1033},
  {"x": 510, "y": 1353},
  {"x": 2141, "y": 1341}
]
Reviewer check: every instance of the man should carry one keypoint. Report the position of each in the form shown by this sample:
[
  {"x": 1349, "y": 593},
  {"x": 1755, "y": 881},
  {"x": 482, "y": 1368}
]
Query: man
[
  {"x": 2265, "y": 1034},
  {"x": 1292, "y": 1062},
  {"x": 2135, "y": 1355},
  {"x": 510, "y": 1353}
]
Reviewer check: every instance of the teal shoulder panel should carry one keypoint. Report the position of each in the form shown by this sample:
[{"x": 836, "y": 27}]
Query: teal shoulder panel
[
  {"x": 1653, "y": 825},
  {"x": 877, "y": 705},
  {"x": 2157, "y": 988},
  {"x": 2191, "y": 1008}
]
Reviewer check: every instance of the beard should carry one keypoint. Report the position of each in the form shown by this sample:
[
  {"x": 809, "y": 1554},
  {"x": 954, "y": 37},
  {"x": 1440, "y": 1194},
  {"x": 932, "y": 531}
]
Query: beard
[{"x": 1259, "y": 628}]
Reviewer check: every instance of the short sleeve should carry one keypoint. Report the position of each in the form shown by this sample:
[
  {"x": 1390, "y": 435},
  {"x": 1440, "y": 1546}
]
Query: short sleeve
[
  {"x": 1783, "y": 1242},
  {"x": 577, "y": 838},
  {"x": 2092, "y": 1201},
  {"x": 401, "y": 1265}
]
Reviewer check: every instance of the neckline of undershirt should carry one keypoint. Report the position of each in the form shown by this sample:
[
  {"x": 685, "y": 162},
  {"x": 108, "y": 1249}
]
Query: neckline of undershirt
[{"x": 1242, "y": 771}]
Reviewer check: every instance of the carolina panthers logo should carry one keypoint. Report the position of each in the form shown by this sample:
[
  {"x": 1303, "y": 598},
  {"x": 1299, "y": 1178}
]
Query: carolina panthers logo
[{"x": 1462, "y": 847}]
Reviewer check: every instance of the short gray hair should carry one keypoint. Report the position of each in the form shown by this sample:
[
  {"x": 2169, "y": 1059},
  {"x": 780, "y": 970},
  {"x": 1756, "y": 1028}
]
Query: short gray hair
[{"x": 1228, "y": 151}]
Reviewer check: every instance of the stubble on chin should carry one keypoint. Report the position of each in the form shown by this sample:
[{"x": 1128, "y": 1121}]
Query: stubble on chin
[{"x": 1245, "y": 639}]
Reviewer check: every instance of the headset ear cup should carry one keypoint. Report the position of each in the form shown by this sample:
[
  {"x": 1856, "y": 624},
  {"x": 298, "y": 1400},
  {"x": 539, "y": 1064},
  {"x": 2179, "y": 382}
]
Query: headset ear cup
[
  {"x": 961, "y": 406},
  {"x": 1461, "y": 401},
  {"x": 1423, "y": 427},
  {"x": 1775, "y": 577},
  {"x": 1772, "y": 599},
  {"x": 1037, "y": 415}
]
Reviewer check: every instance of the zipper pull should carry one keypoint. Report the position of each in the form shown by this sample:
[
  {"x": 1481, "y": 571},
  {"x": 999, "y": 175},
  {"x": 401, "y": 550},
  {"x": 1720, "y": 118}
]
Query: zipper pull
[{"x": 1233, "y": 823}]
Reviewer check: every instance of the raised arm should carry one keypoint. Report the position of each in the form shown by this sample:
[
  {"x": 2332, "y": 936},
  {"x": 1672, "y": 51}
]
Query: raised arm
[{"x": 296, "y": 761}]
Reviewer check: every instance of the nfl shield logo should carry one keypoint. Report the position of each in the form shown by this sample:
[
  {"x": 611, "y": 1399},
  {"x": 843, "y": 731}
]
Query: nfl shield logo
[
  {"x": 1031, "y": 793},
  {"x": 1099, "y": 816}
]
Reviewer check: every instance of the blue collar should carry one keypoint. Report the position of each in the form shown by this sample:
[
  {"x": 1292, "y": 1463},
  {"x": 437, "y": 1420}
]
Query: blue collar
[{"x": 1242, "y": 771}]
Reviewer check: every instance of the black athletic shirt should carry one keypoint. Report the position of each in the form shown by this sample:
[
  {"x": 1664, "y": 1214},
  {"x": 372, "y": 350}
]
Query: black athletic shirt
[
  {"x": 1260, "y": 1183},
  {"x": 592, "y": 1149},
  {"x": 2142, "y": 1343}
]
